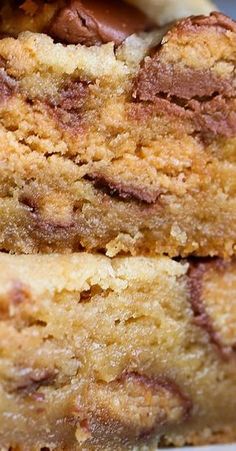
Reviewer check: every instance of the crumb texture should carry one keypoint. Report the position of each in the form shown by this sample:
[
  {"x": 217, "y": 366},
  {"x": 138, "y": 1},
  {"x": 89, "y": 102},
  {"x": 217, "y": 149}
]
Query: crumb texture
[
  {"x": 110, "y": 354},
  {"x": 112, "y": 149}
]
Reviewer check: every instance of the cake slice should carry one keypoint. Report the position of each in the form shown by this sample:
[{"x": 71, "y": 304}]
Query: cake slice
[
  {"x": 116, "y": 354},
  {"x": 120, "y": 147}
]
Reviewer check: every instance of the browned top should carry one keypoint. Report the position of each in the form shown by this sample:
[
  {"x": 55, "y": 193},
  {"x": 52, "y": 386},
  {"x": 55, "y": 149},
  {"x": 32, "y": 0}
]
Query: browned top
[
  {"x": 214, "y": 20},
  {"x": 90, "y": 22}
]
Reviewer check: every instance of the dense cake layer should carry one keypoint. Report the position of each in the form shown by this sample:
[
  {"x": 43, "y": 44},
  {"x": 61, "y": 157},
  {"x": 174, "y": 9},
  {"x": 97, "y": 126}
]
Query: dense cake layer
[
  {"x": 112, "y": 354},
  {"x": 126, "y": 149}
]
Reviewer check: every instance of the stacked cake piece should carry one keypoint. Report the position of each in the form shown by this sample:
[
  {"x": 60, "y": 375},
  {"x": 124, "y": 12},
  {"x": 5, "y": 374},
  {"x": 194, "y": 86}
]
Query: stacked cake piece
[{"x": 118, "y": 179}]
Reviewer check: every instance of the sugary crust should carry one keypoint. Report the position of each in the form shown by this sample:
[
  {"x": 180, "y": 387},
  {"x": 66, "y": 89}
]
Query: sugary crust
[{"x": 106, "y": 354}]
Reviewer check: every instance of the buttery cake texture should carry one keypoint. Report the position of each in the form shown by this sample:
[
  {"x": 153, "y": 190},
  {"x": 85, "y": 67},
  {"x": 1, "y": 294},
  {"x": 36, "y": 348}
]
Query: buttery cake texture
[
  {"x": 113, "y": 354},
  {"x": 125, "y": 148},
  {"x": 117, "y": 136}
]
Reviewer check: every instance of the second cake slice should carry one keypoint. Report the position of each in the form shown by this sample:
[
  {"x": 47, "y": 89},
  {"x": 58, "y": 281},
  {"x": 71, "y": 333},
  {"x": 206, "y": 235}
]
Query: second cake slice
[{"x": 99, "y": 353}]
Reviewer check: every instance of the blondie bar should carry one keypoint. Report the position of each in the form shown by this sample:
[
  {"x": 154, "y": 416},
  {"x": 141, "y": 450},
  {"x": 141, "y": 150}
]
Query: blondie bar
[
  {"x": 116, "y": 354},
  {"x": 127, "y": 148}
]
